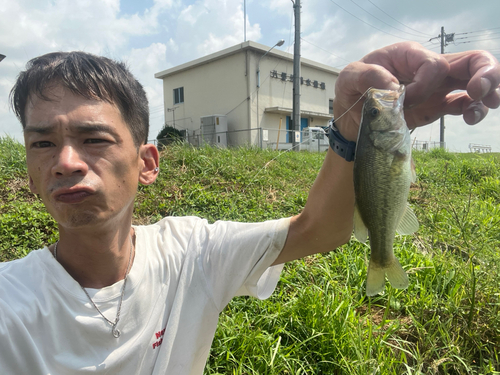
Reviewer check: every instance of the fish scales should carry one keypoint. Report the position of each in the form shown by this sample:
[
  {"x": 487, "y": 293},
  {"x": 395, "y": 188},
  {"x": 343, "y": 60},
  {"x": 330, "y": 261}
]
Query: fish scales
[{"x": 382, "y": 179}]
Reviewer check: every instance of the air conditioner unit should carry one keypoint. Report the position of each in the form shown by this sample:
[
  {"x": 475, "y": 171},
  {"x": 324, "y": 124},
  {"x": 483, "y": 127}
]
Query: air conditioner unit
[{"x": 214, "y": 130}]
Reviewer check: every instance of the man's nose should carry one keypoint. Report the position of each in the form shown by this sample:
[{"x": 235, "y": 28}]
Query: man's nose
[{"x": 69, "y": 162}]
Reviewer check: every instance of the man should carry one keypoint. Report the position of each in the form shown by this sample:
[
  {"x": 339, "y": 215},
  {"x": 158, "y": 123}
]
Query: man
[{"x": 110, "y": 297}]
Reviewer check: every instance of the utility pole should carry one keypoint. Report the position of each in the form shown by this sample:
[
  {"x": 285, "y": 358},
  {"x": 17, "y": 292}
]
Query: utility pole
[
  {"x": 441, "y": 120},
  {"x": 296, "y": 74},
  {"x": 244, "y": 20},
  {"x": 173, "y": 114},
  {"x": 444, "y": 38}
]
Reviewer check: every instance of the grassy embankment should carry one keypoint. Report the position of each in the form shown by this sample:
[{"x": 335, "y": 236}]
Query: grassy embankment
[{"x": 319, "y": 321}]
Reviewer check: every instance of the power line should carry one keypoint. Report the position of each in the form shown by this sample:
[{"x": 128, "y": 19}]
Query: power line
[
  {"x": 359, "y": 19},
  {"x": 478, "y": 31},
  {"x": 475, "y": 36},
  {"x": 478, "y": 40},
  {"x": 312, "y": 44},
  {"x": 388, "y": 15},
  {"x": 420, "y": 36}
]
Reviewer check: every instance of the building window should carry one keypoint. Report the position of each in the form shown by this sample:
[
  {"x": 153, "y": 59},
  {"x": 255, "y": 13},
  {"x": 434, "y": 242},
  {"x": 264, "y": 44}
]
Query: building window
[
  {"x": 330, "y": 106},
  {"x": 179, "y": 95}
]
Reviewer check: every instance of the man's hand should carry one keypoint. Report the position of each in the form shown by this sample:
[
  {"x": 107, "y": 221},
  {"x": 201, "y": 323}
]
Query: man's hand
[{"x": 430, "y": 80}]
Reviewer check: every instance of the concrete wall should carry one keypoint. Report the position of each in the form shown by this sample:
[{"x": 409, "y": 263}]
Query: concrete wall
[
  {"x": 225, "y": 83},
  {"x": 218, "y": 87}
]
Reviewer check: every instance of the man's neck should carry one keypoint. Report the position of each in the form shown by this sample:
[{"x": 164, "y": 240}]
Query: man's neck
[{"x": 96, "y": 259}]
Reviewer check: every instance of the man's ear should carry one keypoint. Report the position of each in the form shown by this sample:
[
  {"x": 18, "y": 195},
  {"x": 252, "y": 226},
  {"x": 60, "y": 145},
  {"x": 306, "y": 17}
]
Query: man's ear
[
  {"x": 32, "y": 186},
  {"x": 150, "y": 163}
]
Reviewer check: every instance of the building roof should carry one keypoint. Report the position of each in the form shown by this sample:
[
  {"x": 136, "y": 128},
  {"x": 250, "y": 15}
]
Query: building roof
[{"x": 248, "y": 45}]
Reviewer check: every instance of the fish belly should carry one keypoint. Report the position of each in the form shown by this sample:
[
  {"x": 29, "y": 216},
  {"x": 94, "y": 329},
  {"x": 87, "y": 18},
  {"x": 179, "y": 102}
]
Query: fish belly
[{"x": 382, "y": 182}]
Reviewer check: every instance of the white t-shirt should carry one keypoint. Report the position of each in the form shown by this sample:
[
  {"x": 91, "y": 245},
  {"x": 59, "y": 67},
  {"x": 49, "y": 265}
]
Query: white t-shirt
[{"x": 184, "y": 273}]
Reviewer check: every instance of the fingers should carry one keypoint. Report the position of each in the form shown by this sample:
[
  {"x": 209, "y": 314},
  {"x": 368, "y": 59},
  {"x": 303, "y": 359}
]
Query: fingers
[
  {"x": 481, "y": 71},
  {"x": 431, "y": 82},
  {"x": 421, "y": 70},
  {"x": 492, "y": 100},
  {"x": 458, "y": 103},
  {"x": 463, "y": 104},
  {"x": 474, "y": 112},
  {"x": 352, "y": 83},
  {"x": 358, "y": 77}
]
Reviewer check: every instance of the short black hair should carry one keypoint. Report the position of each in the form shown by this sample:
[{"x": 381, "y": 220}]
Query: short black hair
[{"x": 88, "y": 75}]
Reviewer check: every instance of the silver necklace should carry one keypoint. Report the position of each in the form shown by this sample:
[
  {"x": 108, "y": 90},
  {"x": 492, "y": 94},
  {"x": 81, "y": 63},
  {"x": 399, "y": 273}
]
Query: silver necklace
[{"x": 114, "y": 331}]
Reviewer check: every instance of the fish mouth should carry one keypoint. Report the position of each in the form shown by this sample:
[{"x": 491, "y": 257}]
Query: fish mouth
[{"x": 392, "y": 99}]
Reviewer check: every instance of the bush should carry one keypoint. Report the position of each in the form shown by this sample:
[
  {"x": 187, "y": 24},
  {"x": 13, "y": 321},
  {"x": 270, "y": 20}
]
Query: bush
[{"x": 168, "y": 135}]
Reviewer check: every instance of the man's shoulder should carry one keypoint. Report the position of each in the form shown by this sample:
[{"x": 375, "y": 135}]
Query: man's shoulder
[
  {"x": 20, "y": 278},
  {"x": 174, "y": 221},
  {"x": 21, "y": 264},
  {"x": 21, "y": 273},
  {"x": 174, "y": 226}
]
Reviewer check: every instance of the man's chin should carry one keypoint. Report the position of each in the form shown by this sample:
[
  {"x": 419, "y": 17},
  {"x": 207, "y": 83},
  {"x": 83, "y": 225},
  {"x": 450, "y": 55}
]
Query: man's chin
[{"x": 80, "y": 220}]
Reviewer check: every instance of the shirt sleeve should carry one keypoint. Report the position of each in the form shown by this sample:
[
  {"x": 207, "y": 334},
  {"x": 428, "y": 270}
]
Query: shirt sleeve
[{"x": 236, "y": 258}]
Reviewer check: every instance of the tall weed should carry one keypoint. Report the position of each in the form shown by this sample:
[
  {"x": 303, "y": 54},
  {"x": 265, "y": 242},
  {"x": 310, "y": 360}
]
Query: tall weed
[{"x": 319, "y": 320}]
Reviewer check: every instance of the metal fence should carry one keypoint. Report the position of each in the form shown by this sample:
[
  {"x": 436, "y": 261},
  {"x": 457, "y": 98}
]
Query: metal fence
[
  {"x": 274, "y": 139},
  {"x": 426, "y": 146}
]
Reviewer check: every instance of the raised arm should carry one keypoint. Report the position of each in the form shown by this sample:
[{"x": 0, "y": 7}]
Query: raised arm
[{"x": 431, "y": 79}]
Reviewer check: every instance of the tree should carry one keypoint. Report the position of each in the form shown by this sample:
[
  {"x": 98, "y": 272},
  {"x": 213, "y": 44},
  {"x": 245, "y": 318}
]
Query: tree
[{"x": 168, "y": 135}]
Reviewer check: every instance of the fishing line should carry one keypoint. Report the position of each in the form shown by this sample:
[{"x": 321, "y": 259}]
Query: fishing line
[{"x": 290, "y": 149}]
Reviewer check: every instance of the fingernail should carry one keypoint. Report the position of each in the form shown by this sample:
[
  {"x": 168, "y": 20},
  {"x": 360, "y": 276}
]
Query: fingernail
[
  {"x": 477, "y": 116},
  {"x": 485, "y": 86}
]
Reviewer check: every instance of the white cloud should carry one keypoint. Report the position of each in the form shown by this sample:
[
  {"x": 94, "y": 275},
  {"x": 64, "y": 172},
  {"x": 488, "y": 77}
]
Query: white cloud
[
  {"x": 211, "y": 25},
  {"x": 143, "y": 63},
  {"x": 280, "y": 6},
  {"x": 165, "y": 33},
  {"x": 30, "y": 28}
]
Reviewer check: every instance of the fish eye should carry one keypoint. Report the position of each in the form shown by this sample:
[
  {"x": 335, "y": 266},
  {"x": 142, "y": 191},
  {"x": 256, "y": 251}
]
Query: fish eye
[{"x": 374, "y": 112}]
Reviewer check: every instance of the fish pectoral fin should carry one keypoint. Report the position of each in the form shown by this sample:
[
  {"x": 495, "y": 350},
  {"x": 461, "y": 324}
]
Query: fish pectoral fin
[
  {"x": 375, "y": 280},
  {"x": 413, "y": 172},
  {"x": 396, "y": 275},
  {"x": 409, "y": 222},
  {"x": 360, "y": 229}
]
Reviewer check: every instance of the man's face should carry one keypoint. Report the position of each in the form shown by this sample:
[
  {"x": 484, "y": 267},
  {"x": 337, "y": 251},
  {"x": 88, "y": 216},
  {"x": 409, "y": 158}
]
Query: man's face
[{"x": 81, "y": 159}]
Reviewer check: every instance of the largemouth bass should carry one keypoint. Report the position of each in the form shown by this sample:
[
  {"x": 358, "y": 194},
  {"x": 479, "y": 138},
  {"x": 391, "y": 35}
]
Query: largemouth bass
[{"x": 382, "y": 177}]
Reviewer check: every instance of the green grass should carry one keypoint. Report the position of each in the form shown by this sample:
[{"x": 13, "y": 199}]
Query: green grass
[{"x": 319, "y": 321}]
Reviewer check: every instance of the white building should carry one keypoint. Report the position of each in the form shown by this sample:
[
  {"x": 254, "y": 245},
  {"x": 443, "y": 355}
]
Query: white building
[{"x": 225, "y": 84}]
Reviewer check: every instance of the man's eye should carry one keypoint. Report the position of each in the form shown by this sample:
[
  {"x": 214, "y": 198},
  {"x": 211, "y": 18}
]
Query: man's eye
[
  {"x": 95, "y": 140},
  {"x": 42, "y": 144}
]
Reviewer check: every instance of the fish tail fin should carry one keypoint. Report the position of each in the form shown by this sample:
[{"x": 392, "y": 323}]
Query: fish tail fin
[
  {"x": 397, "y": 275},
  {"x": 360, "y": 229},
  {"x": 375, "y": 280}
]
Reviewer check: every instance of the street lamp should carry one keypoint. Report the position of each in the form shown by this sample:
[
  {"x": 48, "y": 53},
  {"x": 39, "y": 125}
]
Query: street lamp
[
  {"x": 279, "y": 44},
  {"x": 2, "y": 57}
]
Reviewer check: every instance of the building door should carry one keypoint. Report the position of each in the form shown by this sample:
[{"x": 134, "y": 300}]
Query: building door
[{"x": 304, "y": 123}]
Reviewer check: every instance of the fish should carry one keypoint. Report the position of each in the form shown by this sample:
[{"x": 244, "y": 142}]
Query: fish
[{"x": 383, "y": 174}]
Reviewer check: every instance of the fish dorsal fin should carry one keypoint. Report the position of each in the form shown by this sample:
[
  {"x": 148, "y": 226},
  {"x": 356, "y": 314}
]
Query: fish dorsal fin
[
  {"x": 409, "y": 222},
  {"x": 360, "y": 229}
]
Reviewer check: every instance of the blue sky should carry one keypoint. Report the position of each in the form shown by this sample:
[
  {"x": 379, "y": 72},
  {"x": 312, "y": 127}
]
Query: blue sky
[{"x": 154, "y": 35}]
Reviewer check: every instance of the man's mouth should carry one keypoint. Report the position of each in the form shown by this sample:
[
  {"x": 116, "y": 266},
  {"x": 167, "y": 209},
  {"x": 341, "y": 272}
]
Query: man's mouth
[{"x": 72, "y": 195}]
